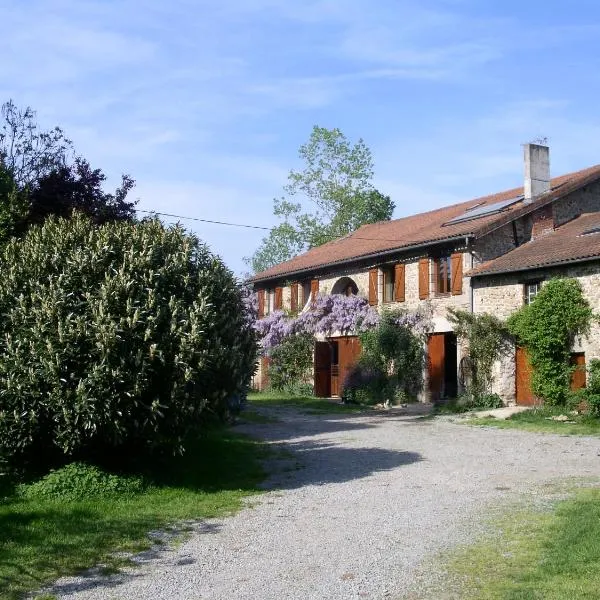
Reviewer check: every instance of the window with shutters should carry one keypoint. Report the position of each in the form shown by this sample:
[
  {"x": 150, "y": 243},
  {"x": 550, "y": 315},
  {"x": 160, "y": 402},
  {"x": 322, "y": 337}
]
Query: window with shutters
[
  {"x": 442, "y": 268},
  {"x": 389, "y": 282}
]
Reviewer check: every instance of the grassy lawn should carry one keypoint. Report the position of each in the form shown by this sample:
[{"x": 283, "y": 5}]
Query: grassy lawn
[
  {"x": 551, "y": 555},
  {"x": 308, "y": 404},
  {"x": 539, "y": 420},
  {"x": 43, "y": 539}
]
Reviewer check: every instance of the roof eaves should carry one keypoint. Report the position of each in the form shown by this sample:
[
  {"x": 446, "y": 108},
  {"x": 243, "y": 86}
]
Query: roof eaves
[
  {"x": 534, "y": 267},
  {"x": 343, "y": 261}
]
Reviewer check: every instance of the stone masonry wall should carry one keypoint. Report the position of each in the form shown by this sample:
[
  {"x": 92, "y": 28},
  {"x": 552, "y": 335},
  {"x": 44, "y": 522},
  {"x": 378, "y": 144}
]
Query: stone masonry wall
[
  {"x": 502, "y": 295},
  {"x": 584, "y": 200}
]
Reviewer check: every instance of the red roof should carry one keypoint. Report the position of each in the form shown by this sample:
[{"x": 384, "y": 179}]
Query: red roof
[
  {"x": 575, "y": 241},
  {"x": 426, "y": 227}
]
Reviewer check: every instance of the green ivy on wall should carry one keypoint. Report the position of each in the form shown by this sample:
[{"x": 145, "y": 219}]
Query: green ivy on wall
[
  {"x": 547, "y": 329},
  {"x": 487, "y": 339}
]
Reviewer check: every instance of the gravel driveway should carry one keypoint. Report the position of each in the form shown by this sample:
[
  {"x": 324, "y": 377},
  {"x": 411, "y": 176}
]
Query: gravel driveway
[{"x": 355, "y": 509}]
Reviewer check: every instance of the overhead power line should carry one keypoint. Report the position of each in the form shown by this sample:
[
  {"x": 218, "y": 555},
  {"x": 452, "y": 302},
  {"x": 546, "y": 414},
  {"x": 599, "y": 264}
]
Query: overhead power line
[{"x": 246, "y": 226}]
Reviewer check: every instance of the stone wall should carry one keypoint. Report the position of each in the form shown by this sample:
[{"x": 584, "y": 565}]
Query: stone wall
[
  {"x": 502, "y": 295},
  {"x": 585, "y": 200}
]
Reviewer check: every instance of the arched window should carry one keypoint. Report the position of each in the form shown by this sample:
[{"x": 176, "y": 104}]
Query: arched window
[{"x": 345, "y": 286}]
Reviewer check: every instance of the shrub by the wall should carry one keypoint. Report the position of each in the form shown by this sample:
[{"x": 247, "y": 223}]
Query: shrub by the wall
[
  {"x": 547, "y": 328},
  {"x": 290, "y": 367},
  {"x": 396, "y": 347},
  {"x": 118, "y": 338}
]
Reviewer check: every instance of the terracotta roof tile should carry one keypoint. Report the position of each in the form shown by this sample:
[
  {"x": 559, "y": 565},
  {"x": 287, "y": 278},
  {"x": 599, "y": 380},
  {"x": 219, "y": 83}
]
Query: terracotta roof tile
[
  {"x": 425, "y": 227},
  {"x": 566, "y": 244}
]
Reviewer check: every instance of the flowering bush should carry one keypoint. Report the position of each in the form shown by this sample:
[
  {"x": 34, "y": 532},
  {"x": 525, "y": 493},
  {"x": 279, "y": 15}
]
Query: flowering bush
[
  {"x": 396, "y": 347},
  {"x": 331, "y": 314}
]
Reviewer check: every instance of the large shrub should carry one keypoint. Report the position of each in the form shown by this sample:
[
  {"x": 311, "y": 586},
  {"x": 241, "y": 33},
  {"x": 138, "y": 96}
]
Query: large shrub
[
  {"x": 547, "y": 328},
  {"x": 290, "y": 367},
  {"x": 115, "y": 338},
  {"x": 395, "y": 348}
]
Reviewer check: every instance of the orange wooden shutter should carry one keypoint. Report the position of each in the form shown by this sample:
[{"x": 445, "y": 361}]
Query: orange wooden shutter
[
  {"x": 400, "y": 283},
  {"x": 423, "y": 278},
  {"x": 294, "y": 299},
  {"x": 278, "y": 298},
  {"x": 373, "y": 277},
  {"x": 261, "y": 303},
  {"x": 314, "y": 288},
  {"x": 457, "y": 273}
]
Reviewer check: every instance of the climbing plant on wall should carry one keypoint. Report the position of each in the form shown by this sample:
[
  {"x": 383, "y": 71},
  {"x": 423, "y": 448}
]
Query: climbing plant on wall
[
  {"x": 547, "y": 328},
  {"x": 487, "y": 339}
]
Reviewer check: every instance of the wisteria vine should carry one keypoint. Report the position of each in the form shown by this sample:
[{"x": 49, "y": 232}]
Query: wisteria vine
[{"x": 329, "y": 315}]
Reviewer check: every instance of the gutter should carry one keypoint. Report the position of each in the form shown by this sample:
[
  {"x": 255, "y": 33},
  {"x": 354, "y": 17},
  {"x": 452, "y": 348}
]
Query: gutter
[
  {"x": 357, "y": 259},
  {"x": 538, "y": 267}
]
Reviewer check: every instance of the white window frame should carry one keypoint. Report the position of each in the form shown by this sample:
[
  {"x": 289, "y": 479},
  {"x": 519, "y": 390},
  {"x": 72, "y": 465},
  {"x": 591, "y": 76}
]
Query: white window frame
[{"x": 532, "y": 289}]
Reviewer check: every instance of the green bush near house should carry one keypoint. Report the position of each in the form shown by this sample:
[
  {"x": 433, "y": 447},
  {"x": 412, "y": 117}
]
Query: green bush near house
[
  {"x": 547, "y": 328},
  {"x": 115, "y": 341},
  {"x": 390, "y": 368},
  {"x": 290, "y": 367}
]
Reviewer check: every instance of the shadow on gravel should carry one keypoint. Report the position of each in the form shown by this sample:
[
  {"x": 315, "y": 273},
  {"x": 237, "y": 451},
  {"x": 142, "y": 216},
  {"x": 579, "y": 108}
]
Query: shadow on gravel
[
  {"x": 311, "y": 463},
  {"x": 293, "y": 424},
  {"x": 96, "y": 578}
]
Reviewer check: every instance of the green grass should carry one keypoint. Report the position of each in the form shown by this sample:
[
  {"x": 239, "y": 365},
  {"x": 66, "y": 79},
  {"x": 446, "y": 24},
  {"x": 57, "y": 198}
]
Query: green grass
[
  {"x": 41, "y": 540},
  {"x": 538, "y": 420},
  {"x": 552, "y": 555},
  {"x": 308, "y": 404}
]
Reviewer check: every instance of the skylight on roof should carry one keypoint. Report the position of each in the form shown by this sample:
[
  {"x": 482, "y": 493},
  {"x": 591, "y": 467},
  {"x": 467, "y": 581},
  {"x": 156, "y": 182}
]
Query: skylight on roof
[{"x": 478, "y": 211}]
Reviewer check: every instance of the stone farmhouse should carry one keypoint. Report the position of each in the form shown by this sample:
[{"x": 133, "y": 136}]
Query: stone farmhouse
[{"x": 490, "y": 254}]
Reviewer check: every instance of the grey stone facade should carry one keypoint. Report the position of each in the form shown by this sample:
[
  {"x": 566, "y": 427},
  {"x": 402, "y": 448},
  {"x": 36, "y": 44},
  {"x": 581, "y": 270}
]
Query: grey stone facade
[{"x": 500, "y": 295}]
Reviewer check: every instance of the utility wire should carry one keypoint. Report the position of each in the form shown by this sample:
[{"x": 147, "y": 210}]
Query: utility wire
[{"x": 333, "y": 237}]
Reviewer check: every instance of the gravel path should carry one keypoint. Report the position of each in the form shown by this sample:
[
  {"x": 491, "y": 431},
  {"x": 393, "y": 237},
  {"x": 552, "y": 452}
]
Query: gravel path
[{"x": 355, "y": 509}]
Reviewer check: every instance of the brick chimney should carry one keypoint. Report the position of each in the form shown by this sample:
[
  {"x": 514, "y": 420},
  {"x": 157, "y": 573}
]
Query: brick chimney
[{"x": 537, "y": 171}]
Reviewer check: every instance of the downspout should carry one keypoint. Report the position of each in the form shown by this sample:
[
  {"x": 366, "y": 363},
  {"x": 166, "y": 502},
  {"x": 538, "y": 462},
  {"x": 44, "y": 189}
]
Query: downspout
[{"x": 471, "y": 295}]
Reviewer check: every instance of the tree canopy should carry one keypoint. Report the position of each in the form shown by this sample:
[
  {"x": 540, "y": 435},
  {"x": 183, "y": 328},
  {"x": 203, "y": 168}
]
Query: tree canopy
[
  {"x": 40, "y": 175},
  {"x": 331, "y": 196}
]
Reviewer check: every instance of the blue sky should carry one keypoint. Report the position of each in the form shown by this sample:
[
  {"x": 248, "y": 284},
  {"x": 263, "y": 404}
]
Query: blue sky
[{"x": 206, "y": 103}]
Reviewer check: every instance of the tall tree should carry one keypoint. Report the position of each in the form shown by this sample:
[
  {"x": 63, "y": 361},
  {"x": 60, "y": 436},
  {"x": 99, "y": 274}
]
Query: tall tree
[
  {"x": 331, "y": 196},
  {"x": 14, "y": 206},
  {"x": 26, "y": 152},
  {"x": 40, "y": 175},
  {"x": 79, "y": 187}
]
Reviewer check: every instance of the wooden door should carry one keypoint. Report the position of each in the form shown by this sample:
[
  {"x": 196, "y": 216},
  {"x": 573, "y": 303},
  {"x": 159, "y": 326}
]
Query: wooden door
[
  {"x": 349, "y": 351},
  {"x": 578, "y": 375},
  {"x": 322, "y": 370},
  {"x": 523, "y": 391},
  {"x": 435, "y": 363}
]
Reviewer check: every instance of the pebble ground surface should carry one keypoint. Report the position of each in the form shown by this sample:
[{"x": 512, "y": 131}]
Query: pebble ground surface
[{"x": 357, "y": 504}]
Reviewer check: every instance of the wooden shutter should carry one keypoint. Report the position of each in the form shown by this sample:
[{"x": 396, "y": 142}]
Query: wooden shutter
[
  {"x": 423, "y": 278},
  {"x": 278, "y": 298},
  {"x": 314, "y": 288},
  {"x": 261, "y": 303},
  {"x": 294, "y": 298},
  {"x": 457, "y": 273},
  {"x": 399, "y": 283},
  {"x": 373, "y": 281}
]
